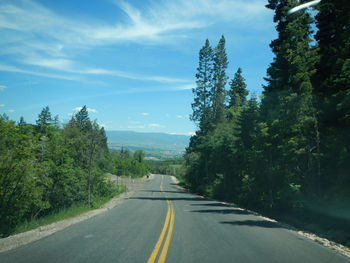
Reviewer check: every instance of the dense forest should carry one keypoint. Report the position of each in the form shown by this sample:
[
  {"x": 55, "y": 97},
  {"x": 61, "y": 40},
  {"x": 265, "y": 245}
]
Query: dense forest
[
  {"x": 46, "y": 167},
  {"x": 288, "y": 151}
]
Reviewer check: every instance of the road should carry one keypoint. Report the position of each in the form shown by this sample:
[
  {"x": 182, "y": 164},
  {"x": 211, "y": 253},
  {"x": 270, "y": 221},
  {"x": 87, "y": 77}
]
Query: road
[{"x": 162, "y": 223}]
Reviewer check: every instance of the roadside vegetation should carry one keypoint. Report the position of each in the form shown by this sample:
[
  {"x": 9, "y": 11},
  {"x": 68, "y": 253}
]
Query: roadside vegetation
[
  {"x": 65, "y": 213},
  {"x": 50, "y": 171},
  {"x": 127, "y": 163},
  {"x": 170, "y": 167},
  {"x": 286, "y": 154}
]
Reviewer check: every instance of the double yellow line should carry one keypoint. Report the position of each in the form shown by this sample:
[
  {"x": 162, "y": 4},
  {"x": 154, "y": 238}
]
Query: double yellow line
[{"x": 166, "y": 233}]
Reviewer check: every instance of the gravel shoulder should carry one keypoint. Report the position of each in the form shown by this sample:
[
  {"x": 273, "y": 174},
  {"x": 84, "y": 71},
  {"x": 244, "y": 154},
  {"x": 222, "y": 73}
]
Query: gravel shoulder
[
  {"x": 323, "y": 241},
  {"x": 24, "y": 238}
]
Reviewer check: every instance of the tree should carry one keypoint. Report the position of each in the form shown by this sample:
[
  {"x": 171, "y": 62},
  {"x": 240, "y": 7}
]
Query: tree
[
  {"x": 332, "y": 91},
  {"x": 238, "y": 90},
  {"x": 220, "y": 78},
  {"x": 202, "y": 93},
  {"x": 287, "y": 105},
  {"x": 21, "y": 121},
  {"x": 20, "y": 190},
  {"x": 82, "y": 120},
  {"x": 139, "y": 155},
  {"x": 44, "y": 120}
]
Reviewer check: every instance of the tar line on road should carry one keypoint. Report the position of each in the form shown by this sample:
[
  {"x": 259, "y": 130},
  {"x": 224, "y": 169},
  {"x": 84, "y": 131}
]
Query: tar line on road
[{"x": 166, "y": 233}]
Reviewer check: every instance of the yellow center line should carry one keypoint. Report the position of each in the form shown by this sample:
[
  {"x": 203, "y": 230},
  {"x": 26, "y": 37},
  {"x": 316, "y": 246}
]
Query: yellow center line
[
  {"x": 168, "y": 227},
  {"x": 164, "y": 252},
  {"x": 154, "y": 254}
]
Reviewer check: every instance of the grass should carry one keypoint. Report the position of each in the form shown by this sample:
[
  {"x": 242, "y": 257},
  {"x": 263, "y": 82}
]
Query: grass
[{"x": 72, "y": 211}]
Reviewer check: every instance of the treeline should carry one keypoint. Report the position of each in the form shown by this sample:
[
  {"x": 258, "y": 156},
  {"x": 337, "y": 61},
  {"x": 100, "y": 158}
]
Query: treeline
[
  {"x": 127, "y": 163},
  {"x": 289, "y": 151},
  {"x": 170, "y": 167},
  {"x": 45, "y": 167}
]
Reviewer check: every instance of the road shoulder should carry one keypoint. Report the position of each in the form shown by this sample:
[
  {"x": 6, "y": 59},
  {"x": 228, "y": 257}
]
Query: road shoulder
[{"x": 24, "y": 238}]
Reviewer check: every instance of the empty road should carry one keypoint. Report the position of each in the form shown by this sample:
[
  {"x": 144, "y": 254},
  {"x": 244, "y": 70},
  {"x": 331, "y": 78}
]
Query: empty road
[{"x": 161, "y": 223}]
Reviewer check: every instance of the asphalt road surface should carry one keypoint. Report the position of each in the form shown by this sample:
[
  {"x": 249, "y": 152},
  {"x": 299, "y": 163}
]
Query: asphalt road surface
[{"x": 160, "y": 223}]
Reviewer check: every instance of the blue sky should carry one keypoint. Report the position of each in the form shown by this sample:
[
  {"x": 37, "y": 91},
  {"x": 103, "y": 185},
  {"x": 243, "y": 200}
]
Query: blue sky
[{"x": 131, "y": 62}]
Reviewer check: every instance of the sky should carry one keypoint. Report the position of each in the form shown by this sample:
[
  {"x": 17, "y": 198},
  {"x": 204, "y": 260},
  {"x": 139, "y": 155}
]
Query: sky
[{"x": 132, "y": 63}]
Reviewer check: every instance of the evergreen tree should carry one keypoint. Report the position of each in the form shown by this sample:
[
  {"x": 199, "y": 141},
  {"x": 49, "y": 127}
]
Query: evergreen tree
[
  {"x": 82, "y": 120},
  {"x": 238, "y": 90},
  {"x": 332, "y": 90},
  {"x": 218, "y": 92},
  {"x": 44, "y": 120},
  {"x": 288, "y": 105},
  {"x": 202, "y": 98},
  {"x": 56, "y": 122},
  {"x": 21, "y": 121}
]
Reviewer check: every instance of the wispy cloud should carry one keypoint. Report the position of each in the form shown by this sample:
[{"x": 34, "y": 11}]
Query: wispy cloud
[
  {"x": 71, "y": 66},
  {"x": 186, "y": 87},
  {"x": 2, "y": 105},
  {"x": 155, "y": 125},
  {"x": 8, "y": 68},
  {"x": 136, "y": 127},
  {"x": 2, "y": 87},
  {"x": 11, "y": 110},
  {"x": 144, "y": 113},
  {"x": 42, "y": 33},
  {"x": 145, "y": 126},
  {"x": 45, "y": 39},
  {"x": 183, "y": 133}
]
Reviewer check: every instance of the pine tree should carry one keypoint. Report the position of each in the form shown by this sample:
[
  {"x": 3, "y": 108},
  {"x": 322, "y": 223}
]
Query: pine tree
[
  {"x": 56, "y": 122},
  {"x": 332, "y": 89},
  {"x": 82, "y": 120},
  {"x": 218, "y": 92},
  {"x": 237, "y": 95},
  {"x": 21, "y": 122},
  {"x": 44, "y": 118},
  {"x": 238, "y": 90},
  {"x": 202, "y": 98},
  {"x": 288, "y": 104}
]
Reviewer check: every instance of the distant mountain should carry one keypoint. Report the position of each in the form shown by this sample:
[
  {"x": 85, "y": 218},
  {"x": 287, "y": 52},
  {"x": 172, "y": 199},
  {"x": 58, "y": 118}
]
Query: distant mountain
[{"x": 160, "y": 145}]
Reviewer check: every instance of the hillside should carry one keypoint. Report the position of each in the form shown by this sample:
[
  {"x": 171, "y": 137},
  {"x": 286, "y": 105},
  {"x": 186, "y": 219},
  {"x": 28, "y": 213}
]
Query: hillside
[{"x": 159, "y": 145}]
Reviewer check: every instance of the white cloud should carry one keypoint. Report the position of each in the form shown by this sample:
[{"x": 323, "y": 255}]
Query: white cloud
[
  {"x": 7, "y": 68},
  {"x": 71, "y": 66},
  {"x": 157, "y": 22},
  {"x": 46, "y": 39},
  {"x": 2, "y": 105},
  {"x": 144, "y": 113},
  {"x": 135, "y": 122},
  {"x": 11, "y": 110},
  {"x": 137, "y": 127},
  {"x": 41, "y": 37},
  {"x": 88, "y": 109},
  {"x": 155, "y": 125},
  {"x": 2, "y": 87},
  {"x": 182, "y": 133},
  {"x": 186, "y": 87}
]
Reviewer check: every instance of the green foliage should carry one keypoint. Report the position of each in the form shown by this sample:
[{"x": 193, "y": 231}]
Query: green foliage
[
  {"x": 219, "y": 82},
  {"x": 202, "y": 93},
  {"x": 129, "y": 164},
  {"x": 238, "y": 91},
  {"x": 109, "y": 190},
  {"x": 44, "y": 169},
  {"x": 293, "y": 146},
  {"x": 171, "y": 167}
]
